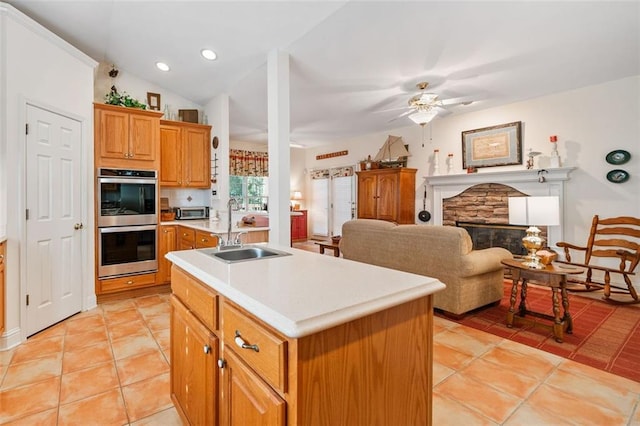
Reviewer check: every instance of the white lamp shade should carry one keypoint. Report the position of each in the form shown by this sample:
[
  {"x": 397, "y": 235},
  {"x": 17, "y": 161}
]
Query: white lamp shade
[
  {"x": 543, "y": 211},
  {"x": 423, "y": 117}
]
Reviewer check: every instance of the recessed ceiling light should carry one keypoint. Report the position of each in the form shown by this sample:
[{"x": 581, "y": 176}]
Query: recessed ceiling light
[
  {"x": 208, "y": 54},
  {"x": 162, "y": 66}
]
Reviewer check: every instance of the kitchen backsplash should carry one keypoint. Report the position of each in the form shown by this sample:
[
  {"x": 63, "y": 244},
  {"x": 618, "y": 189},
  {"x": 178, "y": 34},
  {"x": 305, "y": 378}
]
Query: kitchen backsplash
[{"x": 181, "y": 197}]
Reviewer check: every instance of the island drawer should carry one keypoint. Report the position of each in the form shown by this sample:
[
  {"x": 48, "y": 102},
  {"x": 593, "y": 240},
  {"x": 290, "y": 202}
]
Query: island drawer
[
  {"x": 263, "y": 350},
  {"x": 203, "y": 302}
]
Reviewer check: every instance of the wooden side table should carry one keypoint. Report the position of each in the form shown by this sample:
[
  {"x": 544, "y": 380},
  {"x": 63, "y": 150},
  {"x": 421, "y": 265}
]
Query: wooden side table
[
  {"x": 553, "y": 276},
  {"x": 330, "y": 246}
]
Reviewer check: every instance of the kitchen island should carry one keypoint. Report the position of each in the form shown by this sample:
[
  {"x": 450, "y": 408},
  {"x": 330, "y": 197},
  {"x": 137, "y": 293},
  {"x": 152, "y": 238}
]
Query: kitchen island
[{"x": 300, "y": 339}]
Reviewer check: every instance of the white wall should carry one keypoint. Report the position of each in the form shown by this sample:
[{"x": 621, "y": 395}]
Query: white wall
[
  {"x": 138, "y": 88},
  {"x": 39, "y": 67},
  {"x": 589, "y": 123}
]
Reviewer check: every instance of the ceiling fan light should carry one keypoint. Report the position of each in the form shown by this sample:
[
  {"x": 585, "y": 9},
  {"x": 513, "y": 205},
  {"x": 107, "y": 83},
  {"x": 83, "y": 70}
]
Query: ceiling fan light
[{"x": 423, "y": 117}]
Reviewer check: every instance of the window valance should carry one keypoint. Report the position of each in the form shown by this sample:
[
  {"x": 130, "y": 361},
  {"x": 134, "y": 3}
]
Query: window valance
[{"x": 248, "y": 163}]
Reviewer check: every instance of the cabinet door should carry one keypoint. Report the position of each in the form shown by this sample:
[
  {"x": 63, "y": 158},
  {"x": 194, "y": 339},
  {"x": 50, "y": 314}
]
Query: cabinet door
[
  {"x": 143, "y": 137},
  {"x": 167, "y": 244},
  {"x": 113, "y": 134},
  {"x": 194, "y": 354},
  {"x": 186, "y": 238},
  {"x": 170, "y": 156},
  {"x": 367, "y": 201},
  {"x": 246, "y": 399},
  {"x": 387, "y": 196},
  {"x": 197, "y": 157},
  {"x": 302, "y": 232}
]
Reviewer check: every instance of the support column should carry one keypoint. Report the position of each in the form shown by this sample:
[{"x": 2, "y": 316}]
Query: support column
[{"x": 278, "y": 119}]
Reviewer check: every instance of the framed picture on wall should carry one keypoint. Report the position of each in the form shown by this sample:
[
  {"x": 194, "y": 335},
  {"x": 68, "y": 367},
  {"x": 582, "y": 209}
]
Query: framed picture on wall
[
  {"x": 153, "y": 100},
  {"x": 499, "y": 145}
]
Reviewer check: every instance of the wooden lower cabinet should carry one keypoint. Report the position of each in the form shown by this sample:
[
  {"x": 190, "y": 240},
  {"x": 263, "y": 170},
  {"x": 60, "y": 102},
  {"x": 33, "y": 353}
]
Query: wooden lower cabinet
[
  {"x": 167, "y": 243},
  {"x": 299, "y": 226},
  {"x": 255, "y": 237},
  {"x": 246, "y": 398},
  {"x": 372, "y": 370},
  {"x": 194, "y": 375},
  {"x": 186, "y": 238}
]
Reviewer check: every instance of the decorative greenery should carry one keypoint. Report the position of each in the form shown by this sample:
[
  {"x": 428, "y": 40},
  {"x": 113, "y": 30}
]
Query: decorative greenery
[{"x": 123, "y": 99}]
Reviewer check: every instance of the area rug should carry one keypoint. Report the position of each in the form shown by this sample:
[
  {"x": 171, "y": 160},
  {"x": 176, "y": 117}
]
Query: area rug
[{"x": 605, "y": 336}]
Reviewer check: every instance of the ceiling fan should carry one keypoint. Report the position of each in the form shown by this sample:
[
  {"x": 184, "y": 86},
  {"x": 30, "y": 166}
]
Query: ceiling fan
[{"x": 423, "y": 107}]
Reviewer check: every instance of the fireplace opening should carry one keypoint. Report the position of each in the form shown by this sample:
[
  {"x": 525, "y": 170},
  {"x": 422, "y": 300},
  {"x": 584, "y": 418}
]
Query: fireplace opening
[{"x": 486, "y": 235}]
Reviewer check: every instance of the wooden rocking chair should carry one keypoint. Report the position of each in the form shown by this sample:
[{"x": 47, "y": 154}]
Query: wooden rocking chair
[{"x": 617, "y": 239}]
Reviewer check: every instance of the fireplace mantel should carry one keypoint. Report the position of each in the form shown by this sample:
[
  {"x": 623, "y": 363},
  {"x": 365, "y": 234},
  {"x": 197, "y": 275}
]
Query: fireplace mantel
[
  {"x": 506, "y": 178},
  {"x": 525, "y": 181}
]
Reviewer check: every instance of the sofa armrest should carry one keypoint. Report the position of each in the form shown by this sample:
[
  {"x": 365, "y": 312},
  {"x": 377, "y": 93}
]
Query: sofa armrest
[{"x": 478, "y": 262}]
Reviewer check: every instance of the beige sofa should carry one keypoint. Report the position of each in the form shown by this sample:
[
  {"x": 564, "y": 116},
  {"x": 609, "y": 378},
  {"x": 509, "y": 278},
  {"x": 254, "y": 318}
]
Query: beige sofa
[{"x": 474, "y": 278}]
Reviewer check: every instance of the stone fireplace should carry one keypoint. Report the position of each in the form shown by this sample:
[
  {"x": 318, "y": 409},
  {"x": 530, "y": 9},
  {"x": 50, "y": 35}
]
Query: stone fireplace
[{"x": 482, "y": 198}]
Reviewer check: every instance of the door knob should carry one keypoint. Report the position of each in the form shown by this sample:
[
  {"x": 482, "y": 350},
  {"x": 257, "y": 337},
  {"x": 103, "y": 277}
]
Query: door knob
[{"x": 78, "y": 226}]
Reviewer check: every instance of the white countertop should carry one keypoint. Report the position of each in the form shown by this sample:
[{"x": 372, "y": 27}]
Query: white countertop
[
  {"x": 306, "y": 292},
  {"x": 213, "y": 226}
]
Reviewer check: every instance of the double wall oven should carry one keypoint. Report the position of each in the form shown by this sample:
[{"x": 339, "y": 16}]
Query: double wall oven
[{"x": 127, "y": 222}]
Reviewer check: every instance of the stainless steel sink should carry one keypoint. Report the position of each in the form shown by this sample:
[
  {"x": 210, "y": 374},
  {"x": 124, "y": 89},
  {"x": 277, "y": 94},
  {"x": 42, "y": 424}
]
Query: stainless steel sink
[{"x": 243, "y": 254}]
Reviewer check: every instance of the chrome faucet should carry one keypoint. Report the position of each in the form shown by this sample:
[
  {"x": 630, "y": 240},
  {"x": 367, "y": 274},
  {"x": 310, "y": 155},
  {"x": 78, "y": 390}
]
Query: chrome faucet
[{"x": 231, "y": 243}]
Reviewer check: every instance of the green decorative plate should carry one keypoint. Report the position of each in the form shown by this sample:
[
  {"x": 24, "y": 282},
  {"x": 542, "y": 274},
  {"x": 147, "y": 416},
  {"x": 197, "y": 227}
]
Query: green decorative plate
[
  {"x": 617, "y": 176},
  {"x": 619, "y": 156}
]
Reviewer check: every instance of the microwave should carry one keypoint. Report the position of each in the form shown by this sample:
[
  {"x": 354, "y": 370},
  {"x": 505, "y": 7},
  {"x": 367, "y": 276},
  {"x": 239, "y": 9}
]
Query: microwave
[{"x": 185, "y": 213}]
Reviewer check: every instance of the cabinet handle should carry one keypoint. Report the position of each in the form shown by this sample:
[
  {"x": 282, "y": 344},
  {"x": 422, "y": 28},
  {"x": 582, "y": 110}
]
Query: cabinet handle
[
  {"x": 221, "y": 363},
  {"x": 130, "y": 282},
  {"x": 207, "y": 349},
  {"x": 242, "y": 344},
  {"x": 1, "y": 257},
  {"x": 204, "y": 240}
]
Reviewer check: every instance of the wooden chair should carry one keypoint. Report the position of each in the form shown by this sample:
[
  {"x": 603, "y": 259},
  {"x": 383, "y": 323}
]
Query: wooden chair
[{"x": 616, "y": 239}]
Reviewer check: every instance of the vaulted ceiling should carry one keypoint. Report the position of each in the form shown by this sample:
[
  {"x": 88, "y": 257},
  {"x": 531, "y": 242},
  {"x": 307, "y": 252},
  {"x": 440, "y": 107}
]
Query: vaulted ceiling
[{"x": 354, "y": 64}]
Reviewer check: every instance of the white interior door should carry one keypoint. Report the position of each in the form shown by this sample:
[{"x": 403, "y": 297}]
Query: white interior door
[
  {"x": 319, "y": 214},
  {"x": 341, "y": 202},
  {"x": 53, "y": 202}
]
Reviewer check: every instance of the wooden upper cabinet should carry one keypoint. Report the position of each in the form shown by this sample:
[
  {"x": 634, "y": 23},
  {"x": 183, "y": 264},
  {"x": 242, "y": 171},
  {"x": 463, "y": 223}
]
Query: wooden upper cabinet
[
  {"x": 387, "y": 194},
  {"x": 185, "y": 153},
  {"x": 197, "y": 153},
  {"x": 126, "y": 137},
  {"x": 143, "y": 137},
  {"x": 170, "y": 156}
]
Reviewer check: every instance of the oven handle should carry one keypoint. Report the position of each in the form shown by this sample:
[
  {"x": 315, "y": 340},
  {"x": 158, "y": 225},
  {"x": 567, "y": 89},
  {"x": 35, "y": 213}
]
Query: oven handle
[
  {"x": 127, "y": 180},
  {"x": 113, "y": 229}
]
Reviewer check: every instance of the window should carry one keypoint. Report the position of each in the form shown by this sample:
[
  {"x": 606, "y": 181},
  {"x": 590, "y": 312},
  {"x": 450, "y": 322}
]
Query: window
[{"x": 251, "y": 192}]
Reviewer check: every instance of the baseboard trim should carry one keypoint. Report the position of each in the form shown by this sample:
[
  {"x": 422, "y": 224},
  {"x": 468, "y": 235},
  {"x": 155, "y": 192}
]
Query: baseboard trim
[{"x": 10, "y": 339}]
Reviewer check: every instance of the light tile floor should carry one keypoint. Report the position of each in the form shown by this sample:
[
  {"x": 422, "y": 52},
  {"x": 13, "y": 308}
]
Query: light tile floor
[{"x": 110, "y": 365}]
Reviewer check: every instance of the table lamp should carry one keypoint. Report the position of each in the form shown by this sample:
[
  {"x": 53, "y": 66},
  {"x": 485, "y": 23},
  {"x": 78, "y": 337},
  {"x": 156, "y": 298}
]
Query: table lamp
[
  {"x": 297, "y": 196},
  {"x": 533, "y": 211}
]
